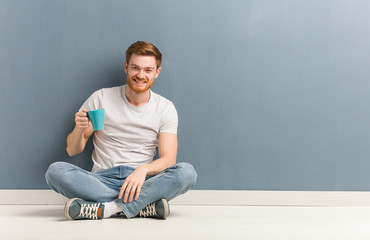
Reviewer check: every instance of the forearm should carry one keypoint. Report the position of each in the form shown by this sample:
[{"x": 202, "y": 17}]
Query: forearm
[
  {"x": 75, "y": 142},
  {"x": 167, "y": 149},
  {"x": 158, "y": 165}
]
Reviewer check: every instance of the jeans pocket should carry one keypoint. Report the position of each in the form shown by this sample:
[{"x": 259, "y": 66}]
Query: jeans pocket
[{"x": 109, "y": 173}]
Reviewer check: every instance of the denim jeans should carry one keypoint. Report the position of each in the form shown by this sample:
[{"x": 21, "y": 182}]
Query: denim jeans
[{"x": 104, "y": 186}]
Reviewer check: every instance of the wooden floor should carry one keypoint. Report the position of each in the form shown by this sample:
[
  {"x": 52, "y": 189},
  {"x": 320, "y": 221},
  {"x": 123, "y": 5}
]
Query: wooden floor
[{"x": 192, "y": 222}]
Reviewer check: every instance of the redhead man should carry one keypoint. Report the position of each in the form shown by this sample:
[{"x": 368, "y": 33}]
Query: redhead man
[{"x": 125, "y": 178}]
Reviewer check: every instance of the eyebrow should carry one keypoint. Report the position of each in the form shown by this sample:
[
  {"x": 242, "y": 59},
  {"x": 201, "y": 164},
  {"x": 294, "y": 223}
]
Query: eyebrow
[{"x": 134, "y": 65}]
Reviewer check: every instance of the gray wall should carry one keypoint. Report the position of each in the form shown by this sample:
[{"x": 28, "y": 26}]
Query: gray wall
[{"x": 271, "y": 95}]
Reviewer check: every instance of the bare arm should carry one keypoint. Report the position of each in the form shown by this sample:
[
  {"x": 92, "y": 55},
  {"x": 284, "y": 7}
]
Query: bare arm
[
  {"x": 167, "y": 147},
  {"x": 77, "y": 139}
]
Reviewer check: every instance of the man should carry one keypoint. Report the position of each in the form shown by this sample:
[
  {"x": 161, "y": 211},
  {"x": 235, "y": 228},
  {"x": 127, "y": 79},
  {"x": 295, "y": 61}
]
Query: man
[{"x": 124, "y": 178}]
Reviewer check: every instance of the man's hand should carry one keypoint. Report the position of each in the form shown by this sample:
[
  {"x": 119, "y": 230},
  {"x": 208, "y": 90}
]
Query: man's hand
[
  {"x": 82, "y": 121},
  {"x": 133, "y": 184},
  {"x": 76, "y": 140}
]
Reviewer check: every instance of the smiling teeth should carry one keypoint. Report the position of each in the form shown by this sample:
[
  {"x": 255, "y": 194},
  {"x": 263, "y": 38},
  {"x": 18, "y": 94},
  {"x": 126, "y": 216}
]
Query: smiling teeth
[{"x": 139, "y": 81}]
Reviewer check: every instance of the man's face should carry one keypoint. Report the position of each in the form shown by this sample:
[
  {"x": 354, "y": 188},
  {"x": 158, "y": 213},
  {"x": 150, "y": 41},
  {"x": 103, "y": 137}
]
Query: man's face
[{"x": 141, "y": 72}]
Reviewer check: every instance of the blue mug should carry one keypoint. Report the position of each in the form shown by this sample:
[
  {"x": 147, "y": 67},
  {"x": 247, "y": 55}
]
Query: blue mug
[{"x": 97, "y": 118}]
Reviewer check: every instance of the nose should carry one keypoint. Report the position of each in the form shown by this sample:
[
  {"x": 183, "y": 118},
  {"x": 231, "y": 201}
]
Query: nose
[{"x": 140, "y": 74}]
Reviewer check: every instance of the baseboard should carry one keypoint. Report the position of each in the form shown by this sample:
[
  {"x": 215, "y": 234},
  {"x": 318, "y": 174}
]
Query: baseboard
[{"x": 214, "y": 197}]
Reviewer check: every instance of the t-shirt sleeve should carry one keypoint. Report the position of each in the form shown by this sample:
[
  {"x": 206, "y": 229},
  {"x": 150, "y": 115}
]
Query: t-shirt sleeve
[
  {"x": 169, "y": 120},
  {"x": 93, "y": 102}
]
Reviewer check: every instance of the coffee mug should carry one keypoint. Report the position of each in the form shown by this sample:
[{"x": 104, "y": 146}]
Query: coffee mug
[{"x": 97, "y": 118}]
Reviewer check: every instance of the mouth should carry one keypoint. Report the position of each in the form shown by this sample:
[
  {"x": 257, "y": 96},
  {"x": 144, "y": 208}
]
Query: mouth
[{"x": 139, "y": 81}]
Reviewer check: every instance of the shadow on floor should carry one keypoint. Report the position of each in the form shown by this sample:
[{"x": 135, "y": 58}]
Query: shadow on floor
[{"x": 50, "y": 211}]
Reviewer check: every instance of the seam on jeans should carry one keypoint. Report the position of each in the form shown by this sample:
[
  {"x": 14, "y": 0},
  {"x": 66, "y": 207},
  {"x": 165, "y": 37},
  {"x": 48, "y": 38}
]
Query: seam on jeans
[
  {"x": 82, "y": 170},
  {"x": 158, "y": 175},
  {"x": 163, "y": 172},
  {"x": 124, "y": 209}
]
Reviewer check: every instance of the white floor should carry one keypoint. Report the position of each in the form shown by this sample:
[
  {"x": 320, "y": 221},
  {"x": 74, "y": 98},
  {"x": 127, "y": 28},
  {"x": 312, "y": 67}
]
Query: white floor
[{"x": 192, "y": 222}]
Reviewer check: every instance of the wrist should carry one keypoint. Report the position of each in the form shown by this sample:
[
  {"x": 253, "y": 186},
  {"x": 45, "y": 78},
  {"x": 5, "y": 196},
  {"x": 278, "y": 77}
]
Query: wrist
[
  {"x": 79, "y": 131},
  {"x": 144, "y": 168}
]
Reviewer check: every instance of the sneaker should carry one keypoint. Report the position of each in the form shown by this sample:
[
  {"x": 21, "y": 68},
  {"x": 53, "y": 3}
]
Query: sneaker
[
  {"x": 158, "y": 209},
  {"x": 77, "y": 208}
]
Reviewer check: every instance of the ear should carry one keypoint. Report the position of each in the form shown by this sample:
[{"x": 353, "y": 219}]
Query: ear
[
  {"x": 126, "y": 67},
  {"x": 157, "y": 72}
]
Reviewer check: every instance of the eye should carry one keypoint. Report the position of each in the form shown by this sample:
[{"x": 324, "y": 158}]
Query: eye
[{"x": 148, "y": 71}]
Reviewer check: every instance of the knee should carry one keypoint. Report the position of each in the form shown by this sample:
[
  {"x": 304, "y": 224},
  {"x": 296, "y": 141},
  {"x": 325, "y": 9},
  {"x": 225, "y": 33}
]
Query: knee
[
  {"x": 55, "y": 172},
  {"x": 187, "y": 176}
]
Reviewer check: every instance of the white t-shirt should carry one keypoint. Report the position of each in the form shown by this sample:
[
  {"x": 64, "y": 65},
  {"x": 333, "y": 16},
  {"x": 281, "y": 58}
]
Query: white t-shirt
[{"x": 130, "y": 134}]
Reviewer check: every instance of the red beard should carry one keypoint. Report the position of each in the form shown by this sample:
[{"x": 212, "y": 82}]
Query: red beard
[{"x": 136, "y": 87}]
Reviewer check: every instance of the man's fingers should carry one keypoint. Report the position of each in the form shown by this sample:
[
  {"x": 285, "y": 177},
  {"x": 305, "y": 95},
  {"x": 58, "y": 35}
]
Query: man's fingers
[
  {"x": 132, "y": 193},
  {"x": 137, "y": 192},
  {"x": 81, "y": 119},
  {"x": 122, "y": 190},
  {"x": 127, "y": 192},
  {"x": 82, "y": 122},
  {"x": 120, "y": 193},
  {"x": 81, "y": 114}
]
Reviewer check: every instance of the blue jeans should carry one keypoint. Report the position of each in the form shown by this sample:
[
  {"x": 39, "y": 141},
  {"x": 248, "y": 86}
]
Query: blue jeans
[{"x": 104, "y": 186}]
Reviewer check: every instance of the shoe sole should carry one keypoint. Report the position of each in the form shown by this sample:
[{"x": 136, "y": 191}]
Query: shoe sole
[
  {"x": 68, "y": 204},
  {"x": 166, "y": 208}
]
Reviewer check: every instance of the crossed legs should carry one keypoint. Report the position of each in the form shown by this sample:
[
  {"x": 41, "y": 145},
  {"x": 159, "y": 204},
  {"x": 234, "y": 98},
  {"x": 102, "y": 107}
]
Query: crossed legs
[{"x": 103, "y": 186}]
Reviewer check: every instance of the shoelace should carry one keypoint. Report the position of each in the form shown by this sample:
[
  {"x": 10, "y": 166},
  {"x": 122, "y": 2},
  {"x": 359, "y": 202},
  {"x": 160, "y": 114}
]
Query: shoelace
[
  {"x": 148, "y": 211},
  {"x": 89, "y": 210}
]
